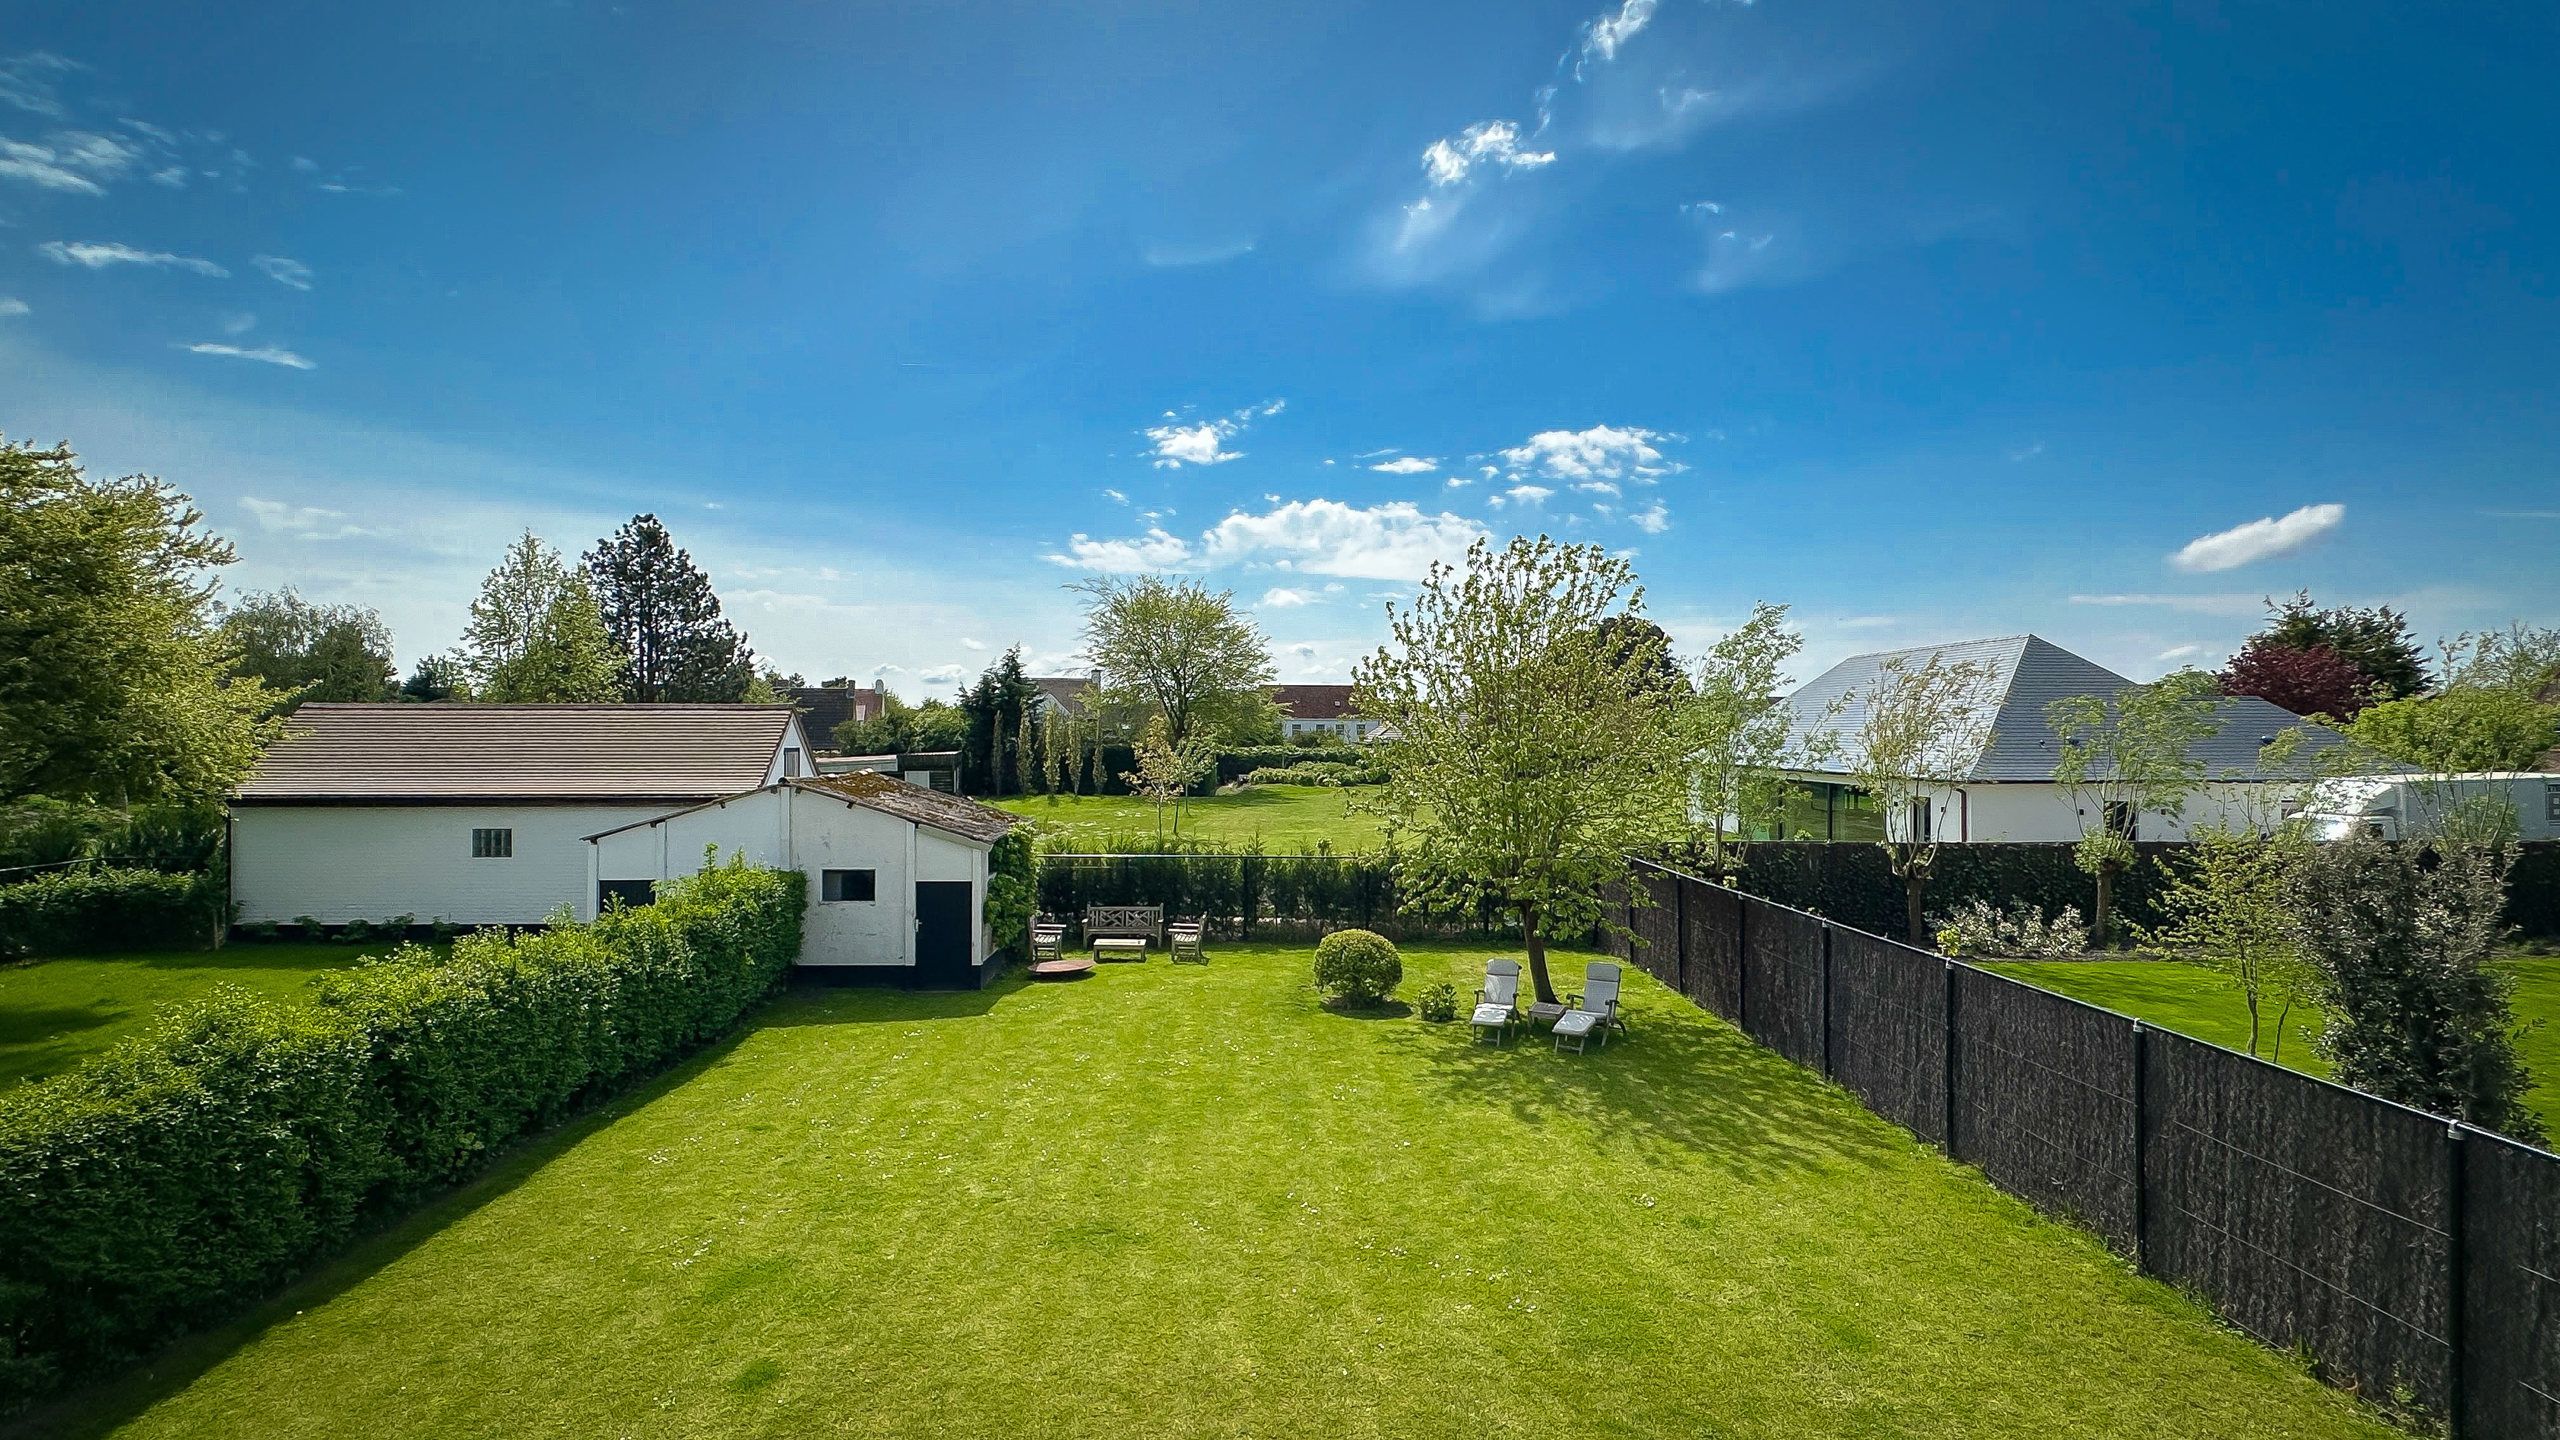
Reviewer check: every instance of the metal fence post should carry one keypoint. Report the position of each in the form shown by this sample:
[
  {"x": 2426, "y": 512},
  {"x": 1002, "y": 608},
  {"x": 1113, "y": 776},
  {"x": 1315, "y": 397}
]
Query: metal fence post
[
  {"x": 2456, "y": 1342},
  {"x": 1741, "y": 965},
  {"x": 1680, "y": 934},
  {"x": 1947, "y": 1076},
  {"x": 1826, "y": 999},
  {"x": 2141, "y": 1147}
]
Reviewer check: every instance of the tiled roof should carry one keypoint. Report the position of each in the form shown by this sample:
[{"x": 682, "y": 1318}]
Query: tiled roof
[
  {"x": 892, "y": 796},
  {"x": 2027, "y": 674},
  {"x": 458, "y": 752},
  {"x": 1064, "y": 691},
  {"x": 824, "y": 707},
  {"x": 1314, "y": 702}
]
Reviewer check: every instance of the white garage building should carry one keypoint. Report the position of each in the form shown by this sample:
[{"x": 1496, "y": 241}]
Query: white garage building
[
  {"x": 476, "y": 814},
  {"x": 897, "y": 873}
]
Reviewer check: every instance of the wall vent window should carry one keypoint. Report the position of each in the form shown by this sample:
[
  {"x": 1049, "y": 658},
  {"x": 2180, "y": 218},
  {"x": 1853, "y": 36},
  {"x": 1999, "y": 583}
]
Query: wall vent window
[
  {"x": 848, "y": 884},
  {"x": 790, "y": 761},
  {"x": 493, "y": 844}
]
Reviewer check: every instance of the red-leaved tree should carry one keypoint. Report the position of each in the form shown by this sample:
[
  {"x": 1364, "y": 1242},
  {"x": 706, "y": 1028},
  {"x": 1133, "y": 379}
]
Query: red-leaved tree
[{"x": 2312, "y": 680}]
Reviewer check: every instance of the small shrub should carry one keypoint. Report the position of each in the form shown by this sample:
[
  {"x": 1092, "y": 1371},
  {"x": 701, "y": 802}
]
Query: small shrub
[
  {"x": 1310, "y": 772},
  {"x": 354, "y": 932},
  {"x": 2019, "y": 933},
  {"x": 1357, "y": 967},
  {"x": 1439, "y": 1002}
]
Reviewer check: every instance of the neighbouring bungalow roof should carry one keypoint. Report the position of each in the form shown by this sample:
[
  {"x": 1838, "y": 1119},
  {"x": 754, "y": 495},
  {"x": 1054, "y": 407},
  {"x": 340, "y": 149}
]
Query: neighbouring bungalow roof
[
  {"x": 454, "y": 752},
  {"x": 824, "y": 707},
  {"x": 1314, "y": 702},
  {"x": 2028, "y": 673},
  {"x": 952, "y": 814}
]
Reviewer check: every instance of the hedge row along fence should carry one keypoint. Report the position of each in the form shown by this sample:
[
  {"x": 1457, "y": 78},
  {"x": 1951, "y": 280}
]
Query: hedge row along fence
[
  {"x": 191, "y": 1171},
  {"x": 2412, "y": 1258},
  {"x": 87, "y": 909},
  {"x": 1849, "y": 881},
  {"x": 1243, "y": 894}
]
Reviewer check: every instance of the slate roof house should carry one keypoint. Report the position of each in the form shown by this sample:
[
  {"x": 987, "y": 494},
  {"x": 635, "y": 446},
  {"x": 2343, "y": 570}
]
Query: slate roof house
[
  {"x": 483, "y": 815},
  {"x": 2007, "y": 791}
]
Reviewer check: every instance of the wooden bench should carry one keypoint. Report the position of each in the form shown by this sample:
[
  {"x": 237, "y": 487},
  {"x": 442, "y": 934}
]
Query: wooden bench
[{"x": 1123, "y": 932}]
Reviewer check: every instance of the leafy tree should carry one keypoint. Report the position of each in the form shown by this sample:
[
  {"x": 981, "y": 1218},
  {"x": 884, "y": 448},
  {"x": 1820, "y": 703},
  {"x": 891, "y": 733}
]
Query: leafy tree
[
  {"x": 1000, "y": 707},
  {"x": 311, "y": 652},
  {"x": 2314, "y": 681},
  {"x": 1922, "y": 728},
  {"x": 660, "y": 610},
  {"x": 513, "y": 602},
  {"x": 1628, "y": 637},
  {"x": 1167, "y": 769},
  {"x": 2228, "y": 906},
  {"x": 568, "y": 659},
  {"x": 2126, "y": 756},
  {"x": 1526, "y": 761},
  {"x": 2522, "y": 657},
  {"x": 2377, "y": 642},
  {"x": 2466, "y": 728},
  {"x": 1739, "y": 734},
  {"x": 1178, "y": 649},
  {"x": 437, "y": 677},
  {"x": 113, "y": 674},
  {"x": 2401, "y": 937},
  {"x": 900, "y": 728}
]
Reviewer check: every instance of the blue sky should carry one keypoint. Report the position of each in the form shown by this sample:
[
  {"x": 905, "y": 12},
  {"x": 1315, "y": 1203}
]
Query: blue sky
[{"x": 1932, "y": 322}]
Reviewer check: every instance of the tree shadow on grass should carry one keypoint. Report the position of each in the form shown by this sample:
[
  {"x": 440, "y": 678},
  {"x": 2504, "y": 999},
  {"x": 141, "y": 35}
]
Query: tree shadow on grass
[
  {"x": 115, "y": 1400},
  {"x": 1682, "y": 1086}
]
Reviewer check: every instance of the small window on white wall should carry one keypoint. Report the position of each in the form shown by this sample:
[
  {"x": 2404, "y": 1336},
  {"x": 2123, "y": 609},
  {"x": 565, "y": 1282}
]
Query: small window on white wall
[
  {"x": 848, "y": 884},
  {"x": 493, "y": 844}
]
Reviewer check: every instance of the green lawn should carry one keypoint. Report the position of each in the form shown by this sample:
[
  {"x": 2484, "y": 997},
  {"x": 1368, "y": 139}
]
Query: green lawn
[
  {"x": 1189, "y": 1201},
  {"x": 56, "y": 1013},
  {"x": 2195, "y": 1001},
  {"x": 1285, "y": 818}
]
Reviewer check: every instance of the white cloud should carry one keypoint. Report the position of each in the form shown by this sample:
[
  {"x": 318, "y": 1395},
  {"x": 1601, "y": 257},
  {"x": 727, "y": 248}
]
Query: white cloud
[
  {"x": 942, "y": 674},
  {"x": 968, "y": 644},
  {"x": 1407, "y": 465},
  {"x": 1283, "y": 598},
  {"x": 2179, "y": 652},
  {"x": 1602, "y": 37},
  {"x": 1178, "y": 255},
  {"x": 2223, "y": 604},
  {"x": 302, "y": 522},
  {"x": 2260, "y": 539},
  {"x": 11, "y": 305},
  {"x": 1487, "y": 142},
  {"x": 1205, "y": 443},
  {"x": 1603, "y": 452},
  {"x": 39, "y": 166},
  {"x": 1395, "y": 541},
  {"x": 1597, "y": 487},
  {"x": 1524, "y": 495},
  {"x": 1652, "y": 519},
  {"x": 1116, "y": 497},
  {"x": 32, "y": 82},
  {"x": 269, "y": 354},
  {"x": 1155, "y": 550},
  {"x": 98, "y": 256},
  {"x": 292, "y": 274}
]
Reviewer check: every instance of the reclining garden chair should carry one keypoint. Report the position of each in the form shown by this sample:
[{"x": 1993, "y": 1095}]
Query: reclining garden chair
[
  {"x": 1184, "y": 936},
  {"x": 1498, "y": 1002},
  {"x": 1595, "y": 1008}
]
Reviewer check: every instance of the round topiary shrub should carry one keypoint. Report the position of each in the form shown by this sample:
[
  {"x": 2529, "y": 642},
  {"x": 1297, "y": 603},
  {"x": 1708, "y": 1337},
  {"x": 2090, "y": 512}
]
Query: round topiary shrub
[
  {"x": 1357, "y": 967},
  {"x": 1439, "y": 1003}
]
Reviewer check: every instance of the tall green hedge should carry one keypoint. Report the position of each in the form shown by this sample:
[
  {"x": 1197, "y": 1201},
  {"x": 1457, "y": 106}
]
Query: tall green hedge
[
  {"x": 1242, "y": 892},
  {"x": 191, "y": 1171},
  {"x": 90, "y": 909}
]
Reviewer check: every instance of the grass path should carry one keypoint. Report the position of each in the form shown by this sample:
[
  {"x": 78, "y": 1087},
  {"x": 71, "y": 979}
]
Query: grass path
[
  {"x": 55, "y": 1014},
  {"x": 1285, "y": 818},
  {"x": 1188, "y": 1201},
  {"x": 2193, "y": 1000}
]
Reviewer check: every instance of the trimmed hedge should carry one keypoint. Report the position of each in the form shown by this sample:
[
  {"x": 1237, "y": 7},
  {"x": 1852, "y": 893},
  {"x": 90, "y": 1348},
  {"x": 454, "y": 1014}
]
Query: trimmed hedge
[
  {"x": 191, "y": 1171},
  {"x": 91, "y": 909}
]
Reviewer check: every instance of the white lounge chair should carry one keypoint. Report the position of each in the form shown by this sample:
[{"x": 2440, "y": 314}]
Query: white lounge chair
[
  {"x": 1498, "y": 1002},
  {"x": 1595, "y": 1009}
]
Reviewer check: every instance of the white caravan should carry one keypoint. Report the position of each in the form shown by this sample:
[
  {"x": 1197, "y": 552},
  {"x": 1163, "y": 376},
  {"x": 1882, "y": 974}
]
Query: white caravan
[{"x": 2398, "y": 806}]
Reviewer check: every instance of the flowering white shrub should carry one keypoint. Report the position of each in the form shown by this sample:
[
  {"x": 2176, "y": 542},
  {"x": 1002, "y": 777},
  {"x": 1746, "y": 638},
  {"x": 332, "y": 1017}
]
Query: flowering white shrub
[{"x": 2019, "y": 933}]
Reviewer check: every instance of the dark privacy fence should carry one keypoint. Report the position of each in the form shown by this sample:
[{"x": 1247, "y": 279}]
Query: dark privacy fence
[{"x": 2412, "y": 1259}]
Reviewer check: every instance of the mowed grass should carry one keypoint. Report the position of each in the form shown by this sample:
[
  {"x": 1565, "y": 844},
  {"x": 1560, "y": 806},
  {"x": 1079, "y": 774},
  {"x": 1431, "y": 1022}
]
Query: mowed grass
[
  {"x": 54, "y": 1014},
  {"x": 2193, "y": 1000},
  {"x": 1284, "y": 818},
  {"x": 1190, "y": 1201}
]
